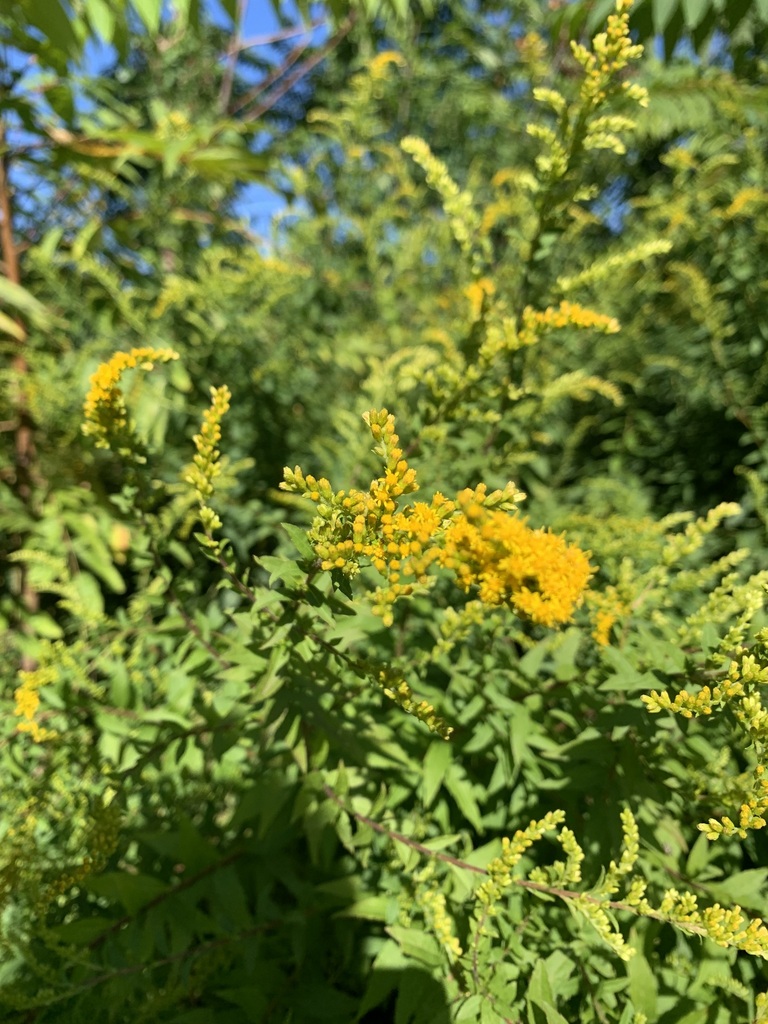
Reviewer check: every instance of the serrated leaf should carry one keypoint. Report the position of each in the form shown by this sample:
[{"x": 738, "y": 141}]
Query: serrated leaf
[
  {"x": 284, "y": 569},
  {"x": 416, "y": 944},
  {"x": 300, "y": 540}
]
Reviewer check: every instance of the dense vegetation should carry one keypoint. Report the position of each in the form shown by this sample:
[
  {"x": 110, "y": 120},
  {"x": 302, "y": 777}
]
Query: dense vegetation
[{"x": 383, "y": 616}]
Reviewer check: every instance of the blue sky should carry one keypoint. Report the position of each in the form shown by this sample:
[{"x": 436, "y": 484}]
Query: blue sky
[{"x": 257, "y": 204}]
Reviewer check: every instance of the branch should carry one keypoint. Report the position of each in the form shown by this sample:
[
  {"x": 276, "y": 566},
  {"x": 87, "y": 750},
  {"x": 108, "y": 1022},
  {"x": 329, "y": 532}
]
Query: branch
[
  {"x": 25, "y": 455},
  {"x": 275, "y": 37},
  {"x": 303, "y": 70},
  {"x": 225, "y": 92},
  {"x": 524, "y": 883},
  {"x": 273, "y": 76}
]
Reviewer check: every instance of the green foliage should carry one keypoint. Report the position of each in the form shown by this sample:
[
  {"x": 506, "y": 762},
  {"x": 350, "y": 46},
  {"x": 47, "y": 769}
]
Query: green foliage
[
  {"x": 409, "y": 755},
  {"x": 696, "y": 21}
]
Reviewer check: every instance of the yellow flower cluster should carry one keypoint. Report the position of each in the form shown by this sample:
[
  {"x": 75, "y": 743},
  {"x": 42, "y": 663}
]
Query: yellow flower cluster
[
  {"x": 567, "y": 314},
  {"x": 532, "y": 571},
  {"x": 28, "y": 701},
  {"x": 433, "y": 902},
  {"x": 535, "y": 572},
  {"x": 478, "y": 292},
  {"x": 728, "y": 927},
  {"x": 359, "y": 526},
  {"x": 206, "y": 464},
  {"x": 740, "y": 692},
  {"x": 500, "y": 869},
  {"x": 398, "y": 691},
  {"x": 606, "y": 608},
  {"x": 106, "y": 417},
  {"x": 612, "y": 51},
  {"x": 379, "y": 66},
  {"x": 692, "y": 705}
]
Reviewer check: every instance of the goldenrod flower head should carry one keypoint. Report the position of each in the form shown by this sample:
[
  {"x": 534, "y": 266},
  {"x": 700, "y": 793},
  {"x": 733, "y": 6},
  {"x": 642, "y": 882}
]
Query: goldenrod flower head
[
  {"x": 206, "y": 465},
  {"x": 379, "y": 66},
  {"x": 106, "y": 416},
  {"x": 535, "y": 572},
  {"x": 28, "y": 701},
  {"x": 612, "y": 51},
  {"x": 567, "y": 314}
]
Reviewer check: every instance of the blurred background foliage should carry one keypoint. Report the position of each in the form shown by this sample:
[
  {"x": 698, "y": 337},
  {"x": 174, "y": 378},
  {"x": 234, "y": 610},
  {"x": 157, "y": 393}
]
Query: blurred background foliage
[{"x": 183, "y": 825}]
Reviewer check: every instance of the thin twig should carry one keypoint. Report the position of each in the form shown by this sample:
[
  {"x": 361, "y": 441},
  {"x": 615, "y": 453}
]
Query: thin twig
[
  {"x": 276, "y": 37},
  {"x": 524, "y": 883},
  {"x": 302, "y": 70},
  {"x": 272, "y": 77},
  {"x": 168, "y": 893},
  {"x": 227, "y": 81}
]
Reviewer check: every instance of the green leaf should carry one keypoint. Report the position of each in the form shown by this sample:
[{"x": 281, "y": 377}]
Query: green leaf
[
  {"x": 694, "y": 11},
  {"x": 662, "y": 13},
  {"x": 133, "y": 891},
  {"x": 421, "y": 999},
  {"x": 370, "y": 908},
  {"x": 80, "y": 933},
  {"x": 460, "y": 788},
  {"x": 149, "y": 11},
  {"x": 699, "y": 856},
  {"x": 598, "y": 14},
  {"x": 469, "y": 1010},
  {"x": 564, "y": 655},
  {"x": 745, "y": 888},
  {"x": 416, "y": 944},
  {"x": 283, "y": 569},
  {"x": 11, "y": 327},
  {"x": 25, "y": 302},
  {"x": 436, "y": 761},
  {"x": 43, "y": 625},
  {"x": 300, "y": 540},
  {"x": 229, "y": 162},
  {"x": 643, "y": 987},
  {"x": 540, "y": 987},
  {"x": 53, "y": 21},
  {"x": 101, "y": 17},
  {"x": 625, "y": 676}
]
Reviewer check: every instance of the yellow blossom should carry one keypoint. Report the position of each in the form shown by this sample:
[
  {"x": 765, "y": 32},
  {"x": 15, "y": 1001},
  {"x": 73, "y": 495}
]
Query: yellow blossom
[
  {"x": 28, "y": 701},
  {"x": 532, "y": 571},
  {"x": 106, "y": 416},
  {"x": 567, "y": 314},
  {"x": 535, "y": 572},
  {"x": 379, "y": 65}
]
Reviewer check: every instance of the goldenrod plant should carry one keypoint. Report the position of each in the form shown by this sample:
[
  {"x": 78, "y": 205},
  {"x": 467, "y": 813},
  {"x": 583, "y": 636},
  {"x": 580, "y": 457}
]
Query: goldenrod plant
[{"x": 354, "y": 689}]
